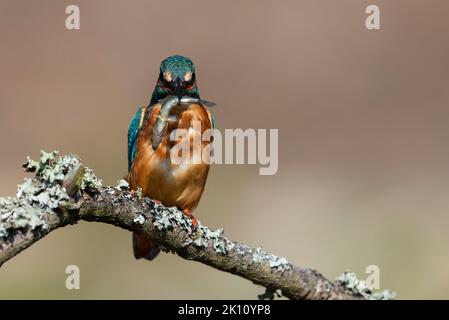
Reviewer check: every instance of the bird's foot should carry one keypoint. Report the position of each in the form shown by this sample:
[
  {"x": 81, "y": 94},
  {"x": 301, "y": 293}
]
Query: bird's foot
[{"x": 191, "y": 217}]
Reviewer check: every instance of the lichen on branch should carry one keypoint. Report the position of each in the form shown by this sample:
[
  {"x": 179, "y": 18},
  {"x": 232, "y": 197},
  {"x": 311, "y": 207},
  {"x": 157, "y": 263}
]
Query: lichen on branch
[
  {"x": 42, "y": 194},
  {"x": 63, "y": 192}
]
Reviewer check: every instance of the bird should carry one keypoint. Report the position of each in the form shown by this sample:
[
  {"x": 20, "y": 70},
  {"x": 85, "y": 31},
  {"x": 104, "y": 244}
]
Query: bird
[{"x": 150, "y": 165}]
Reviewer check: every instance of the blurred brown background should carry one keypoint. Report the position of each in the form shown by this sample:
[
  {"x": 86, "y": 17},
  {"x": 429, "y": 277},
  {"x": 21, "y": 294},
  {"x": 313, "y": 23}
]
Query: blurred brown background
[{"x": 363, "y": 126}]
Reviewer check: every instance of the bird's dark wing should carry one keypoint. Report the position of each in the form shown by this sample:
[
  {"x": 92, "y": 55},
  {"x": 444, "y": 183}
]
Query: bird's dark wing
[{"x": 133, "y": 131}]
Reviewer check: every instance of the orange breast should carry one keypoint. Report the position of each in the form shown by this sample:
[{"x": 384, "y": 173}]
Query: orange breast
[{"x": 173, "y": 184}]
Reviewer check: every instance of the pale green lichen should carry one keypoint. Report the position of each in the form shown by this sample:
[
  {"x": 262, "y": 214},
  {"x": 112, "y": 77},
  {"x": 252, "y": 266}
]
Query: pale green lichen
[
  {"x": 204, "y": 235},
  {"x": 242, "y": 250},
  {"x": 47, "y": 157},
  {"x": 167, "y": 218},
  {"x": 209, "y": 234},
  {"x": 219, "y": 246},
  {"x": 258, "y": 255},
  {"x": 230, "y": 245},
  {"x": 279, "y": 263},
  {"x": 31, "y": 165},
  {"x": 353, "y": 285},
  {"x": 90, "y": 180},
  {"x": 122, "y": 185},
  {"x": 35, "y": 196},
  {"x": 276, "y": 263},
  {"x": 25, "y": 215},
  {"x": 200, "y": 242},
  {"x": 42, "y": 194},
  {"x": 140, "y": 219}
]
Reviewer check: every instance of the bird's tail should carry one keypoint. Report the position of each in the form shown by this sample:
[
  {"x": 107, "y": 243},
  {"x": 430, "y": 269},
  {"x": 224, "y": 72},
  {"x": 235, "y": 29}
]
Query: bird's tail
[{"x": 144, "y": 248}]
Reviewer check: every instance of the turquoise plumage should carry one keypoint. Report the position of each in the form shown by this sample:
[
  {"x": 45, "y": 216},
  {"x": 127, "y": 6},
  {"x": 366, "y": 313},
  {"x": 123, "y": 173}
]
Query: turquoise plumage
[{"x": 133, "y": 131}]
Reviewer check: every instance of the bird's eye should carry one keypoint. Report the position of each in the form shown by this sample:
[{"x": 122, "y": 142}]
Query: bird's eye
[
  {"x": 167, "y": 76},
  {"x": 188, "y": 76}
]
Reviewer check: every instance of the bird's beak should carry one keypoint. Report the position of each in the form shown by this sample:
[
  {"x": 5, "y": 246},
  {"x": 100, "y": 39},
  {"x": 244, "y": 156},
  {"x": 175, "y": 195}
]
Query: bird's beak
[{"x": 178, "y": 88}]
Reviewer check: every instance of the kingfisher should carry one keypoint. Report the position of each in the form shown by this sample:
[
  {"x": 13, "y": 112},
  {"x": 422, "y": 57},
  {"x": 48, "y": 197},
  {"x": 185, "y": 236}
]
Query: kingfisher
[{"x": 150, "y": 165}]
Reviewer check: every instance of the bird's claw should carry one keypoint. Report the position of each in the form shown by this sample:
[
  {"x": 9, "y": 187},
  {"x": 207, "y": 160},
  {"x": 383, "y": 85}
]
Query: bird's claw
[{"x": 191, "y": 217}]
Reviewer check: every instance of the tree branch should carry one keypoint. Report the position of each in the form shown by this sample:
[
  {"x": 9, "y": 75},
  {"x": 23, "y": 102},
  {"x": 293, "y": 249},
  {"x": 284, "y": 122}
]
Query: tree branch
[{"x": 63, "y": 192}]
